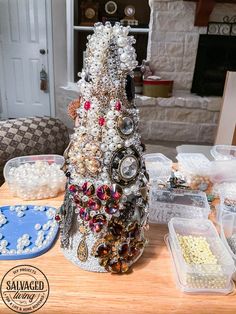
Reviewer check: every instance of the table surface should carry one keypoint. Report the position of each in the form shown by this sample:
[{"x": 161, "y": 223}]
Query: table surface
[{"x": 150, "y": 288}]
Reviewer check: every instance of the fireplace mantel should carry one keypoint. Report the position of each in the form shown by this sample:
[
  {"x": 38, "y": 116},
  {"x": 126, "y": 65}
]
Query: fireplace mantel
[{"x": 204, "y": 9}]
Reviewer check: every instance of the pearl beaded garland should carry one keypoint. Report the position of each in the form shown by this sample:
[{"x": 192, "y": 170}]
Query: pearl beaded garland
[{"x": 36, "y": 181}]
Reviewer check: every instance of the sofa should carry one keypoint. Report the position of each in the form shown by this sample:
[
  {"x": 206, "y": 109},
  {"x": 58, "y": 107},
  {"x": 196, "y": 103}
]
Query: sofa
[{"x": 31, "y": 136}]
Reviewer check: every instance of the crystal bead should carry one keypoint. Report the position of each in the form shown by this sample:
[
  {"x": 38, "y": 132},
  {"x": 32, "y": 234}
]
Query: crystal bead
[
  {"x": 84, "y": 214},
  {"x": 116, "y": 191},
  {"x": 123, "y": 250},
  {"x": 88, "y": 188},
  {"x": 112, "y": 207},
  {"x": 97, "y": 223},
  {"x": 101, "y": 121},
  {"x": 94, "y": 204},
  {"x": 87, "y": 105},
  {"x": 103, "y": 192},
  {"x": 103, "y": 250}
]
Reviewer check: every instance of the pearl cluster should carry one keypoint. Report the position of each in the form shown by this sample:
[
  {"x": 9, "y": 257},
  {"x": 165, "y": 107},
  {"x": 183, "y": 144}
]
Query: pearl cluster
[
  {"x": 3, "y": 246},
  {"x": 22, "y": 243},
  {"x": 3, "y": 219},
  {"x": 19, "y": 210},
  {"x": 37, "y": 180}
]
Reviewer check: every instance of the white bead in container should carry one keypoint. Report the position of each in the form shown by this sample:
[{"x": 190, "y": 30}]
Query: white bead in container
[
  {"x": 35, "y": 177},
  {"x": 158, "y": 166}
]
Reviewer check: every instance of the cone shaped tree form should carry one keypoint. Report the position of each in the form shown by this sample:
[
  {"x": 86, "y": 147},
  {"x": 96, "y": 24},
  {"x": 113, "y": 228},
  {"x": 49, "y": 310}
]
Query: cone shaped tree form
[{"x": 105, "y": 211}]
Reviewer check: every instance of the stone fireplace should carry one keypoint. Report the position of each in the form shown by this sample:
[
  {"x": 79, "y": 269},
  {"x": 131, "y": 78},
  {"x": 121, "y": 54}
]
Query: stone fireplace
[{"x": 172, "y": 50}]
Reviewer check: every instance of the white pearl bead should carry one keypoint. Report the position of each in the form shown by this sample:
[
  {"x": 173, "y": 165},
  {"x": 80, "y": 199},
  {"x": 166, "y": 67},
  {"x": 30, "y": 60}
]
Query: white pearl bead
[
  {"x": 37, "y": 227},
  {"x": 111, "y": 132},
  {"x": 127, "y": 191},
  {"x": 104, "y": 147},
  {"x": 4, "y": 243},
  {"x": 45, "y": 227},
  {"x": 116, "y": 139},
  {"x": 124, "y": 57},
  {"x": 112, "y": 146},
  {"x": 110, "y": 124},
  {"x": 121, "y": 42},
  {"x": 110, "y": 114}
]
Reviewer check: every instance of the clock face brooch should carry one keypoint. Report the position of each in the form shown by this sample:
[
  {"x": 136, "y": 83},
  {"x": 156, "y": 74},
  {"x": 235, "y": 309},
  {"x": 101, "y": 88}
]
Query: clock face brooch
[
  {"x": 125, "y": 165},
  {"x": 110, "y": 12},
  {"x": 129, "y": 11},
  {"x": 89, "y": 12},
  {"x": 129, "y": 18},
  {"x": 111, "y": 7}
]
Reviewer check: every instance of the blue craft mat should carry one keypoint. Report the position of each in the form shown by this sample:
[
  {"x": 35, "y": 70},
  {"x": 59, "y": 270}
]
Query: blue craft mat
[{"x": 17, "y": 226}]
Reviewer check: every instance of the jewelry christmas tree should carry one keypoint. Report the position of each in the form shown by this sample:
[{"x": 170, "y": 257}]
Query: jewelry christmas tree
[{"x": 104, "y": 214}]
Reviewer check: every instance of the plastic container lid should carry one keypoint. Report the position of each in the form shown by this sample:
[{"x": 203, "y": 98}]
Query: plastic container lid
[
  {"x": 223, "y": 152},
  {"x": 166, "y": 204},
  {"x": 194, "y": 163},
  {"x": 201, "y": 278},
  {"x": 158, "y": 165}
]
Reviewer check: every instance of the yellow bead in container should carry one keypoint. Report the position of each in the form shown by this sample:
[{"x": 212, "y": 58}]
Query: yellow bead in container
[{"x": 202, "y": 263}]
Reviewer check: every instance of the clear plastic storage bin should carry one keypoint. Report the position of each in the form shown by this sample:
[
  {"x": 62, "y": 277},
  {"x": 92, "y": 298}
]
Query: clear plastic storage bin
[
  {"x": 228, "y": 233},
  {"x": 196, "y": 170},
  {"x": 213, "y": 277},
  {"x": 223, "y": 152},
  {"x": 158, "y": 166},
  {"x": 223, "y": 171},
  {"x": 35, "y": 177},
  {"x": 165, "y": 204}
]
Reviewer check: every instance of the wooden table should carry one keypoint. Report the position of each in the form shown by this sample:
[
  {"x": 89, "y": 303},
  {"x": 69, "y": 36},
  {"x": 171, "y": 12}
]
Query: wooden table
[{"x": 149, "y": 289}]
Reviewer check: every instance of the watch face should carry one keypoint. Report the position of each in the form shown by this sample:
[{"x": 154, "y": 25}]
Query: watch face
[
  {"x": 129, "y": 10},
  {"x": 90, "y": 13},
  {"x": 110, "y": 7}
]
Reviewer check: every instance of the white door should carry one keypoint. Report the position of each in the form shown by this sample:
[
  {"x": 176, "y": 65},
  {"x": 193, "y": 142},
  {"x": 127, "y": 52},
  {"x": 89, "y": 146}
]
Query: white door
[{"x": 23, "y": 32}]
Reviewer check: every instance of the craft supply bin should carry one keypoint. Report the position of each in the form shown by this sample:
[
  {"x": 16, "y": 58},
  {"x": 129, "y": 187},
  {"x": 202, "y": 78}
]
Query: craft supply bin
[
  {"x": 196, "y": 169},
  {"x": 201, "y": 278},
  {"x": 28, "y": 191},
  {"x": 223, "y": 152},
  {"x": 158, "y": 166},
  {"x": 166, "y": 204}
]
